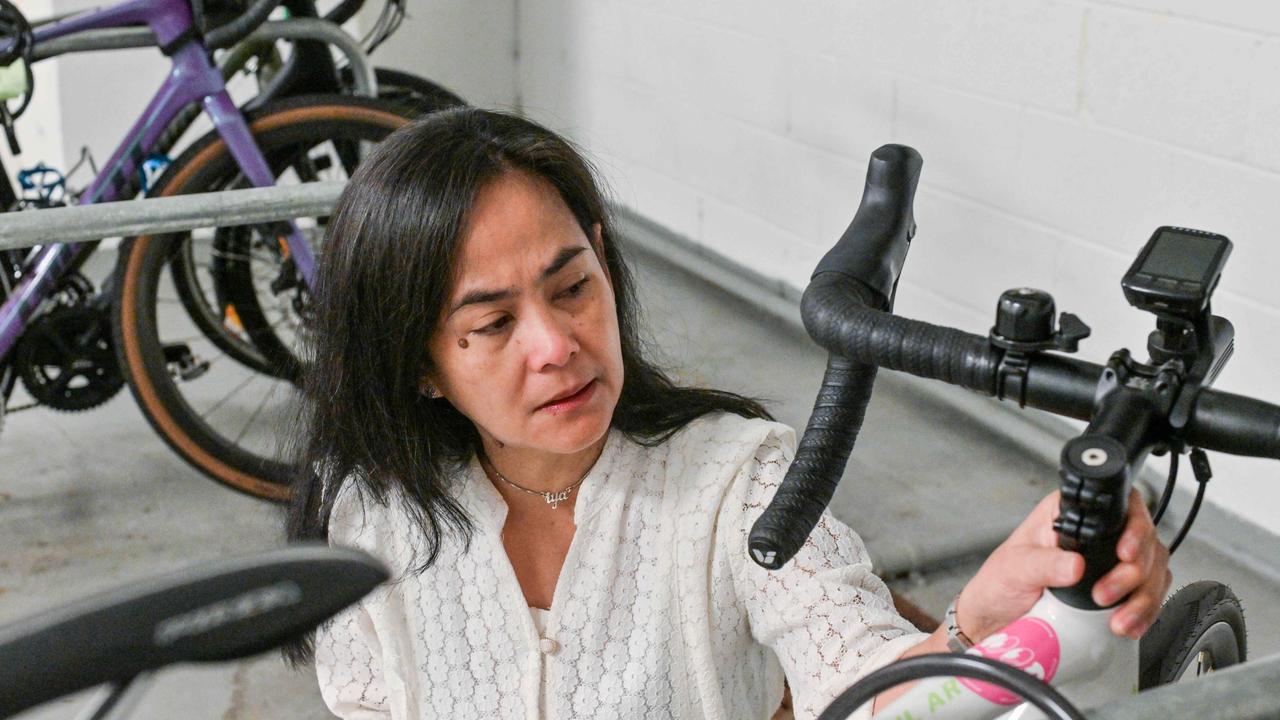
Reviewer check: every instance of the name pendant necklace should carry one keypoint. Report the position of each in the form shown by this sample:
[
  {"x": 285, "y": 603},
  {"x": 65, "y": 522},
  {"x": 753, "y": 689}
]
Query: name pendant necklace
[{"x": 553, "y": 498}]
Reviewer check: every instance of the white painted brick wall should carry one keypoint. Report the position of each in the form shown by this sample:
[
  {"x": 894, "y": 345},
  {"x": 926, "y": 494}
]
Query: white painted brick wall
[
  {"x": 40, "y": 128},
  {"x": 66, "y": 111},
  {"x": 1244, "y": 14},
  {"x": 469, "y": 46},
  {"x": 1056, "y": 135}
]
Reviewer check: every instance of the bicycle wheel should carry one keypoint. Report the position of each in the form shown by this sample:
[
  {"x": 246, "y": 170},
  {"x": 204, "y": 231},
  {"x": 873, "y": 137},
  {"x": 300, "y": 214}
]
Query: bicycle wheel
[
  {"x": 184, "y": 362},
  {"x": 235, "y": 288},
  {"x": 1200, "y": 630},
  {"x": 414, "y": 92},
  {"x": 234, "y": 321}
]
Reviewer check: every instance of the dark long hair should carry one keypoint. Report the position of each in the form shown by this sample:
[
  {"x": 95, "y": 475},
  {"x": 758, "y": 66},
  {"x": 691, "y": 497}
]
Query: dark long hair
[{"x": 383, "y": 279}]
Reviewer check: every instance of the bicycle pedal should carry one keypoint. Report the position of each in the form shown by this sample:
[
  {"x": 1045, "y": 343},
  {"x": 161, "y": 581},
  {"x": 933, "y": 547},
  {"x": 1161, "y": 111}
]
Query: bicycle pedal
[{"x": 182, "y": 363}]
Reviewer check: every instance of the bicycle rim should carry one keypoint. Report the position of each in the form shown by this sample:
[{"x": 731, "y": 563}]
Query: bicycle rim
[{"x": 1214, "y": 649}]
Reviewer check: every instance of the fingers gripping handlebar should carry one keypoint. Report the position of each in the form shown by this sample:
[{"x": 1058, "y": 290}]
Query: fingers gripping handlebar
[{"x": 860, "y": 271}]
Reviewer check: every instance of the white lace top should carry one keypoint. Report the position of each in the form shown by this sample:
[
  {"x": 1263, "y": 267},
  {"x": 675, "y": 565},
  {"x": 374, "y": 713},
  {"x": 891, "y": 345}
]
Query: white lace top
[{"x": 657, "y": 613}]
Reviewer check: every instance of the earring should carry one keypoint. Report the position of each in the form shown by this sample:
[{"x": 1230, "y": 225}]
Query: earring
[{"x": 429, "y": 390}]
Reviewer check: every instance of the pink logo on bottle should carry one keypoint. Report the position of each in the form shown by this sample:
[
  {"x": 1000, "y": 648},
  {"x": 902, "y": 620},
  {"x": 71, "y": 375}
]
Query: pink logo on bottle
[{"x": 1029, "y": 644}]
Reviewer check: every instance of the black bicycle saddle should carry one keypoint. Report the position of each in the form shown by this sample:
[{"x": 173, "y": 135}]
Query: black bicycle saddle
[{"x": 216, "y": 611}]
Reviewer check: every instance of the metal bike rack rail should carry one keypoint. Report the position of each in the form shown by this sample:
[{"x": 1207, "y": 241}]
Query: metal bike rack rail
[
  {"x": 80, "y": 223},
  {"x": 1240, "y": 692},
  {"x": 293, "y": 29}
]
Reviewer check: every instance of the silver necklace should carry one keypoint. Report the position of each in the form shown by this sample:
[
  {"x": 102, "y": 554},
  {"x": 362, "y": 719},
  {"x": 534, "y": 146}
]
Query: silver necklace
[{"x": 553, "y": 498}]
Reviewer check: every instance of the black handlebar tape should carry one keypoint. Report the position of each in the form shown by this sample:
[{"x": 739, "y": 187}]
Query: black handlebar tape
[
  {"x": 860, "y": 271},
  {"x": 811, "y": 479},
  {"x": 233, "y": 32},
  {"x": 873, "y": 248},
  {"x": 879, "y": 338}
]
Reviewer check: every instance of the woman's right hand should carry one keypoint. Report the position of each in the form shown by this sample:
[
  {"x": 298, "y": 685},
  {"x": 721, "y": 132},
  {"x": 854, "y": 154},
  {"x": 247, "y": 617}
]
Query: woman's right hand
[{"x": 1017, "y": 572}]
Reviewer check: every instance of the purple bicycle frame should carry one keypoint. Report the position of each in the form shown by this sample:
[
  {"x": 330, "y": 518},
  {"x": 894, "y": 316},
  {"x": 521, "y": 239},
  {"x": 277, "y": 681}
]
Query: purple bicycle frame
[{"x": 193, "y": 78}]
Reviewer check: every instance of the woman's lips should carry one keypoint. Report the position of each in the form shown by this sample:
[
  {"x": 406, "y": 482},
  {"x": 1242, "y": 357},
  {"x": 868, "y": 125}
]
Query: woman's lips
[{"x": 578, "y": 399}]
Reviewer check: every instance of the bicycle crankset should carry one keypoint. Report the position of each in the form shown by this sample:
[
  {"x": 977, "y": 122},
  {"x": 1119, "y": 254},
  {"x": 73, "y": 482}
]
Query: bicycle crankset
[{"x": 66, "y": 359}]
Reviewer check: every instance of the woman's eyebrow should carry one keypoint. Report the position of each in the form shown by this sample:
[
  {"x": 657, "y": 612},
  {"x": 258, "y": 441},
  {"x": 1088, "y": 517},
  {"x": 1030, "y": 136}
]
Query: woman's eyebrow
[{"x": 564, "y": 257}]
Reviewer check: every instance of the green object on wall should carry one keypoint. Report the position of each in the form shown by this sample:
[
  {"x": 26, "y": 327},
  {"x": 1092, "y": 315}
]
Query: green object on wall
[{"x": 13, "y": 80}]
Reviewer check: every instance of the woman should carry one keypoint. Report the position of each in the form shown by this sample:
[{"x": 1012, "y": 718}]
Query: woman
[{"x": 567, "y": 526}]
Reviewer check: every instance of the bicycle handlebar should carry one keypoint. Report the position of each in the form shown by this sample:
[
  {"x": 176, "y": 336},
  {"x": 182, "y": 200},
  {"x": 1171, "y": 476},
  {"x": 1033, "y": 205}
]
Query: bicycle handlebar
[
  {"x": 846, "y": 309},
  {"x": 224, "y": 36},
  {"x": 1221, "y": 421},
  {"x": 861, "y": 271},
  {"x": 216, "y": 612}
]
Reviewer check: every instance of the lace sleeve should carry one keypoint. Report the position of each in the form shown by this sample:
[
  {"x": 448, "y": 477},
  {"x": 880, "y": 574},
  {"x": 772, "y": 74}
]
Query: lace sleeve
[
  {"x": 826, "y": 616},
  {"x": 348, "y": 655},
  {"x": 349, "y": 667}
]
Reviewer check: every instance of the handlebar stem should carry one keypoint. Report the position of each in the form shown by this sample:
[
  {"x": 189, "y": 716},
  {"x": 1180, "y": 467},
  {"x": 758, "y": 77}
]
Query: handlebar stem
[{"x": 1097, "y": 468}]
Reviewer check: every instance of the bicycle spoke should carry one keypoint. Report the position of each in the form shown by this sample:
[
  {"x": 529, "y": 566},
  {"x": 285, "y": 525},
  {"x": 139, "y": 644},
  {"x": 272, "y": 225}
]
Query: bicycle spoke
[
  {"x": 252, "y": 376},
  {"x": 263, "y": 257},
  {"x": 189, "y": 339},
  {"x": 256, "y": 412}
]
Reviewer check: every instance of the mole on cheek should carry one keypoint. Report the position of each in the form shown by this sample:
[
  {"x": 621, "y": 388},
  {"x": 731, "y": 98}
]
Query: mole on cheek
[{"x": 462, "y": 343}]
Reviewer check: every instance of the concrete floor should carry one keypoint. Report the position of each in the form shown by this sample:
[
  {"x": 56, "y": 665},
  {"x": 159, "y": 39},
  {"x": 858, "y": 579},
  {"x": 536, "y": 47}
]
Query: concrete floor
[{"x": 95, "y": 500}]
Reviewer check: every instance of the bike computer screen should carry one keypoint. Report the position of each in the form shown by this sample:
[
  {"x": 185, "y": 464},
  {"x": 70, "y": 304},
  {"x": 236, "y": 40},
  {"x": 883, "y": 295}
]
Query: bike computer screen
[{"x": 1176, "y": 271}]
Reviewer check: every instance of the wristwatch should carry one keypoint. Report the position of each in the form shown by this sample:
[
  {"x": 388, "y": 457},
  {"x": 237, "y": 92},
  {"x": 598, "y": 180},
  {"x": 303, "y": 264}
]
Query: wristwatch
[{"x": 957, "y": 641}]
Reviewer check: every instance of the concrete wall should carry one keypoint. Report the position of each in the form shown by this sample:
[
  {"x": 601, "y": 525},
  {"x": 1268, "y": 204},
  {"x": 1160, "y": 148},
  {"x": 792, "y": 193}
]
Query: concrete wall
[
  {"x": 85, "y": 100},
  {"x": 1056, "y": 135},
  {"x": 469, "y": 46},
  {"x": 39, "y": 129}
]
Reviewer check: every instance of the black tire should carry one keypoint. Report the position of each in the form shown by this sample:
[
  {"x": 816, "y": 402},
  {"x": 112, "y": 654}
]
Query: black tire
[
  {"x": 1200, "y": 630},
  {"x": 414, "y": 92},
  {"x": 179, "y": 362}
]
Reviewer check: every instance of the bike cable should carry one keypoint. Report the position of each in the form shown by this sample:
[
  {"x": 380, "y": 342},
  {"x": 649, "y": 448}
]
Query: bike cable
[
  {"x": 1200, "y": 467},
  {"x": 1168, "y": 488}
]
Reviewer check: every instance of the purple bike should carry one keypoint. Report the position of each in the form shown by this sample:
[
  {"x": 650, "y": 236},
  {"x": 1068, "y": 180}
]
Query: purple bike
[{"x": 201, "y": 325}]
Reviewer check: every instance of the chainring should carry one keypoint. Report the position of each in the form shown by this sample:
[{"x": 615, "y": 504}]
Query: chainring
[{"x": 66, "y": 359}]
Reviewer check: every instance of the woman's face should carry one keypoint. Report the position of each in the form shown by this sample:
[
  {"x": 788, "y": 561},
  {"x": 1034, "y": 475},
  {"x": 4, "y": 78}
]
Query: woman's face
[{"x": 528, "y": 347}]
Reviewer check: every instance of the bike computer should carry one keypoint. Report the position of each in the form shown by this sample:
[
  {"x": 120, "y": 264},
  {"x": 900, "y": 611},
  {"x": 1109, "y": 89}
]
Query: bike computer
[{"x": 1176, "y": 272}]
